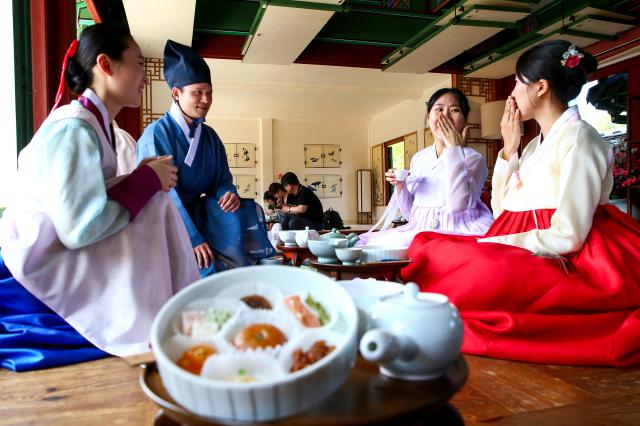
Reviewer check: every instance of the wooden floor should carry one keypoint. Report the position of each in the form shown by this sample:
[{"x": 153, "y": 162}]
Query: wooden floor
[{"x": 106, "y": 392}]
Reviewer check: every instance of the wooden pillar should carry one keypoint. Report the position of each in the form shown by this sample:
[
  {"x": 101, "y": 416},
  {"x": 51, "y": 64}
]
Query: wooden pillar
[{"x": 52, "y": 30}]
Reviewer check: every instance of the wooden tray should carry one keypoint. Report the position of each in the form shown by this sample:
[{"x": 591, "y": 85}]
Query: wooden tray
[{"x": 366, "y": 398}]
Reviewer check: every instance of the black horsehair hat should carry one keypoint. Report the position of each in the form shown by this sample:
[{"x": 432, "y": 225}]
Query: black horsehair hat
[{"x": 183, "y": 66}]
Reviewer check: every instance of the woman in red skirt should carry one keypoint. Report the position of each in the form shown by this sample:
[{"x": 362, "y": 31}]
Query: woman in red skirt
[{"x": 556, "y": 279}]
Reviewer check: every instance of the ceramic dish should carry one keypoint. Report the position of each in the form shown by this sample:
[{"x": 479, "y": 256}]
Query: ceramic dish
[
  {"x": 279, "y": 396},
  {"x": 383, "y": 253},
  {"x": 349, "y": 255},
  {"x": 325, "y": 252},
  {"x": 288, "y": 238}
]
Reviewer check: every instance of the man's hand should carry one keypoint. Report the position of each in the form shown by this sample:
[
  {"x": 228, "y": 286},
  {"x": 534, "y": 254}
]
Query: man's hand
[
  {"x": 229, "y": 202},
  {"x": 204, "y": 255}
]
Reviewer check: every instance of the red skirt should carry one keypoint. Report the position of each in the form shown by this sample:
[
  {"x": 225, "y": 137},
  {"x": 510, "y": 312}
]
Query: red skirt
[{"x": 582, "y": 309}]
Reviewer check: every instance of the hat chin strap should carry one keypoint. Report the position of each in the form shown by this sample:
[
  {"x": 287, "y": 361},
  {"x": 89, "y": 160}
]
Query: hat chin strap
[{"x": 182, "y": 111}]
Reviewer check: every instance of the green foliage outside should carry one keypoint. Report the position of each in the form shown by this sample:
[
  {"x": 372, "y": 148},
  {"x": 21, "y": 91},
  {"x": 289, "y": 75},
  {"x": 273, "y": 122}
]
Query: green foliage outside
[
  {"x": 397, "y": 155},
  {"x": 83, "y": 17}
]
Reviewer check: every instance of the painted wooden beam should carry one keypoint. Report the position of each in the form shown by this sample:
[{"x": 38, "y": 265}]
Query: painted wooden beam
[{"x": 152, "y": 22}]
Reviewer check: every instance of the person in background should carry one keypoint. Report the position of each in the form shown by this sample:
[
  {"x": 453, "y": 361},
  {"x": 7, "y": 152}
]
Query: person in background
[
  {"x": 225, "y": 231},
  {"x": 307, "y": 210},
  {"x": 442, "y": 191},
  {"x": 269, "y": 202},
  {"x": 276, "y": 189},
  {"x": 551, "y": 281},
  {"x": 88, "y": 258}
]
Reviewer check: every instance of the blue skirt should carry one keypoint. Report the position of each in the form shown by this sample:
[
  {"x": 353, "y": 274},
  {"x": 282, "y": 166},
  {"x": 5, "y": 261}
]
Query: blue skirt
[{"x": 32, "y": 336}]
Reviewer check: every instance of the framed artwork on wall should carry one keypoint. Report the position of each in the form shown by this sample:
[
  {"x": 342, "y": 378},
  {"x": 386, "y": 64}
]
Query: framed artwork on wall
[
  {"x": 332, "y": 155},
  {"x": 313, "y": 156},
  {"x": 246, "y": 185},
  {"x": 322, "y": 155},
  {"x": 410, "y": 148},
  {"x": 378, "y": 175},
  {"x": 230, "y": 150},
  {"x": 241, "y": 155},
  {"x": 325, "y": 186}
]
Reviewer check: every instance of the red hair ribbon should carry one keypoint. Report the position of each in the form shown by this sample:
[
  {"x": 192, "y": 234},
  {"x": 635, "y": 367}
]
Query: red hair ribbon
[{"x": 71, "y": 51}]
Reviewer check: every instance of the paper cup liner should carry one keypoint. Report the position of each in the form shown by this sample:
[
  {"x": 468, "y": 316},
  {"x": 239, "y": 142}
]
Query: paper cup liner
[
  {"x": 242, "y": 369},
  {"x": 283, "y": 322},
  {"x": 238, "y": 291},
  {"x": 199, "y": 313},
  {"x": 329, "y": 308},
  {"x": 304, "y": 341},
  {"x": 178, "y": 344}
]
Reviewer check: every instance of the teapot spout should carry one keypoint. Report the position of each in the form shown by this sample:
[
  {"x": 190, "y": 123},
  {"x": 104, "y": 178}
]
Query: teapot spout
[{"x": 382, "y": 347}]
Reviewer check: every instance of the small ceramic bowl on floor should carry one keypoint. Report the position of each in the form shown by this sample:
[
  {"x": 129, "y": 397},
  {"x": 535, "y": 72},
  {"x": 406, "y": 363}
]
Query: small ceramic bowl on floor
[
  {"x": 348, "y": 256},
  {"x": 275, "y": 260},
  {"x": 323, "y": 250},
  {"x": 288, "y": 238}
]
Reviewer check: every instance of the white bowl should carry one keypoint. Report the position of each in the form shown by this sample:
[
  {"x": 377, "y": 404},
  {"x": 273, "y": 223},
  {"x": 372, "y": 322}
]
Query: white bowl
[
  {"x": 324, "y": 251},
  {"x": 383, "y": 253},
  {"x": 288, "y": 238},
  {"x": 266, "y": 401},
  {"x": 349, "y": 255}
]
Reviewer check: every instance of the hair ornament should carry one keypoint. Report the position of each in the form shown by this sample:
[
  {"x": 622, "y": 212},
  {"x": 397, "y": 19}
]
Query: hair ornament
[
  {"x": 71, "y": 51},
  {"x": 571, "y": 58}
]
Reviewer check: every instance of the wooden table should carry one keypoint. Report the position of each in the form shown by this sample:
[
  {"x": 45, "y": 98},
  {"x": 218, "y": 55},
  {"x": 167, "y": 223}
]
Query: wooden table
[
  {"x": 385, "y": 271},
  {"x": 497, "y": 392},
  {"x": 366, "y": 398},
  {"x": 295, "y": 254}
]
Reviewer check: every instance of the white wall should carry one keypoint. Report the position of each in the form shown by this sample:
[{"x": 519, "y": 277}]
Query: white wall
[
  {"x": 289, "y": 138},
  {"x": 8, "y": 154}
]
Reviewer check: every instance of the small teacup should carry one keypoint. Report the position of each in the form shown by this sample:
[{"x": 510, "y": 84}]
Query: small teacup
[
  {"x": 348, "y": 256},
  {"x": 288, "y": 238},
  {"x": 401, "y": 175}
]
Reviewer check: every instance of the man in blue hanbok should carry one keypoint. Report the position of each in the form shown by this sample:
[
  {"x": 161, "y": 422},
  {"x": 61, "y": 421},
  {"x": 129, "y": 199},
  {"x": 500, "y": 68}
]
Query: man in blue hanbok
[{"x": 225, "y": 230}]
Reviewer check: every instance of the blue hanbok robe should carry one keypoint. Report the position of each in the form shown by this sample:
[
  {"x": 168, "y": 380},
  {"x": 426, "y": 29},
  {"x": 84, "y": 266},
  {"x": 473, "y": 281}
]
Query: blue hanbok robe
[{"x": 236, "y": 238}]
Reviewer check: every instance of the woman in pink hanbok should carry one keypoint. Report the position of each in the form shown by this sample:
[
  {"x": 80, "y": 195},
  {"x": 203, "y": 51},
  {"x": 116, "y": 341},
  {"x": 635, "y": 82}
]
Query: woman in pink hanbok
[{"x": 442, "y": 191}]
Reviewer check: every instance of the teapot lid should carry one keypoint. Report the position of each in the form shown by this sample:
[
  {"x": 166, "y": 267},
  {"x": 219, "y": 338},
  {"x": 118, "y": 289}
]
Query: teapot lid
[
  {"x": 411, "y": 297},
  {"x": 334, "y": 234}
]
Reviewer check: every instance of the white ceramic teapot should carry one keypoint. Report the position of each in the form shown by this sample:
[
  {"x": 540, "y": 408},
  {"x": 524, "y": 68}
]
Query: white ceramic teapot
[{"x": 413, "y": 335}]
